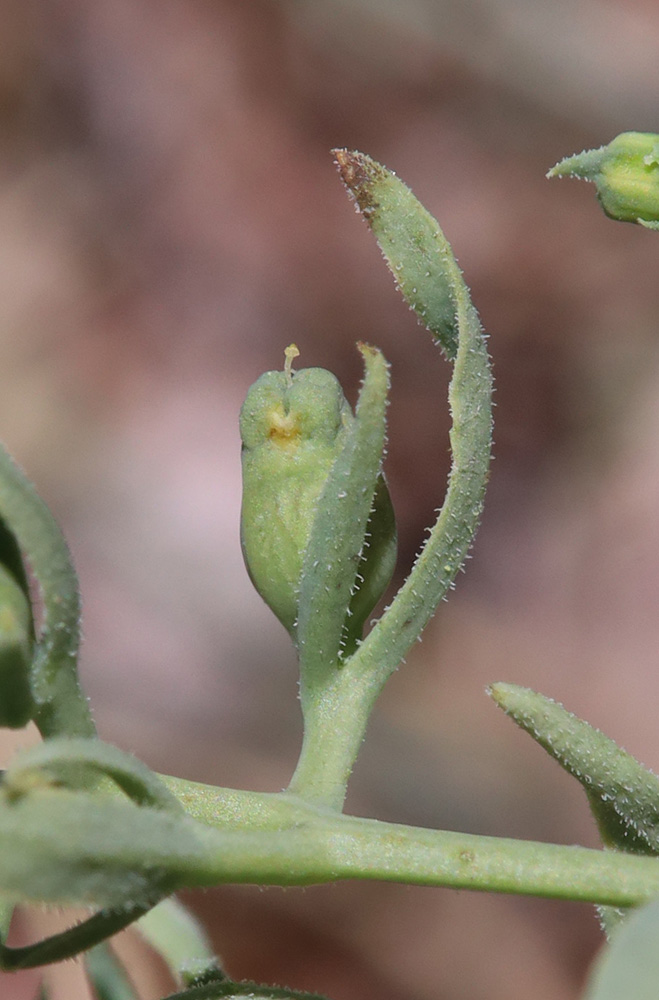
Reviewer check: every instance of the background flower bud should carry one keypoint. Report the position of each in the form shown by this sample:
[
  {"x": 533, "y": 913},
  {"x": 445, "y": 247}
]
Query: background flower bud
[
  {"x": 625, "y": 173},
  {"x": 293, "y": 426}
]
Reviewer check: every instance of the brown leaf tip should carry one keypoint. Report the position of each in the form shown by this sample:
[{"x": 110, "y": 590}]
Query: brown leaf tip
[{"x": 360, "y": 174}]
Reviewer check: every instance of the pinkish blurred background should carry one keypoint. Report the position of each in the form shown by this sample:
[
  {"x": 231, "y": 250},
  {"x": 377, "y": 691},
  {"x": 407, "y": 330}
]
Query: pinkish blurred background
[{"x": 170, "y": 220}]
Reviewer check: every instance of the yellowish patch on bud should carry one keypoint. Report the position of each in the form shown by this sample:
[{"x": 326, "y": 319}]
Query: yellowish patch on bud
[{"x": 284, "y": 428}]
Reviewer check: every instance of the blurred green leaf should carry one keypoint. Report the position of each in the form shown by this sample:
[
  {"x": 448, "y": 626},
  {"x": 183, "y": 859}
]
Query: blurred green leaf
[
  {"x": 628, "y": 967},
  {"x": 180, "y": 939},
  {"x": 77, "y": 763},
  {"x": 62, "y": 846},
  {"x": 106, "y": 975}
]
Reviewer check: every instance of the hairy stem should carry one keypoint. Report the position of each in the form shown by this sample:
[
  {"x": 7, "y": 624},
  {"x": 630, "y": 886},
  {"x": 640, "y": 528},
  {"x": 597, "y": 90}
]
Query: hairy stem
[
  {"x": 321, "y": 846},
  {"x": 334, "y": 728}
]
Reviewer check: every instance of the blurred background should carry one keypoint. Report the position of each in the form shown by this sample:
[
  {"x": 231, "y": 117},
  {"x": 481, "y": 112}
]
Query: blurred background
[{"x": 170, "y": 219}]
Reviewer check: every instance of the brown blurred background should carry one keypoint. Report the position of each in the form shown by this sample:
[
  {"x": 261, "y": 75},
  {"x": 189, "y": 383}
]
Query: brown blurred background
[{"x": 170, "y": 220}]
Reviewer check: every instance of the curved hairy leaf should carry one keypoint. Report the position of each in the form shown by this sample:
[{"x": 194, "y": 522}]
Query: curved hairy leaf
[
  {"x": 61, "y": 707},
  {"x": 75, "y": 763},
  {"x": 430, "y": 280},
  {"x": 71, "y": 942}
]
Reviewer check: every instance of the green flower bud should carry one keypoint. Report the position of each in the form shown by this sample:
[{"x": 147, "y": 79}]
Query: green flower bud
[
  {"x": 625, "y": 173},
  {"x": 293, "y": 426}
]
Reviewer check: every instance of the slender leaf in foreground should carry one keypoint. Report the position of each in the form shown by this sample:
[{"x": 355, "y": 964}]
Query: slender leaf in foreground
[
  {"x": 628, "y": 967},
  {"x": 181, "y": 941},
  {"x": 107, "y": 975}
]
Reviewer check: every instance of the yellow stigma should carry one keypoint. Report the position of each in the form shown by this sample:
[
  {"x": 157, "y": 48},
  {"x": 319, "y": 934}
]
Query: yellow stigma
[{"x": 290, "y": 353}]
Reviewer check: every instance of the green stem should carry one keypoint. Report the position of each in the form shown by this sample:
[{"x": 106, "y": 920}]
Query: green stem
[
  {"x": 268, "y": 840},
  {"x": 335, "y": 722},
  {"x": 319, "y": 846},
  {"x": 71, "y": 942},
  {"x": 466, "y": 861}
]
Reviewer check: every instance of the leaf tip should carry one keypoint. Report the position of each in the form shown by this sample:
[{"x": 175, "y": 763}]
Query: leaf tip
[
  {"x": 511, "y": 698},
  {"x": 585, "y": 166},
  {"x": 360, "y": 174},
  {"x": 367, "y": 350}
]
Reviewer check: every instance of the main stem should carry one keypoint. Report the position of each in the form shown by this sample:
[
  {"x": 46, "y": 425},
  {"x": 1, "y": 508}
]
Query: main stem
[{"x": 277, "y": 839}]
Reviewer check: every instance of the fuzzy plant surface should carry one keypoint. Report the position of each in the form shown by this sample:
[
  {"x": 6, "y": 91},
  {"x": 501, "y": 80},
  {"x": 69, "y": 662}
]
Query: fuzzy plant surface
[{"x": 83, "y": 822}]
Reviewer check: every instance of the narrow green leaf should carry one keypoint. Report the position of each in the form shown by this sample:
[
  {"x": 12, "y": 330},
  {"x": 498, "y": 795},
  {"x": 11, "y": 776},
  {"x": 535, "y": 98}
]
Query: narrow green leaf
[
  {"x": 337, "y": 536},
  {"x": 431, "y": 282},
  {"x": 62, "y": 708},
  {"x": 623, "y": 795},
  {"x": 107, "y": 975},
  {"x": 179, "y": 938},
  {"x": 73, "y": 762},
  {"x": 411, "y": 243},
  {"x": 628, "y": 967}
]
